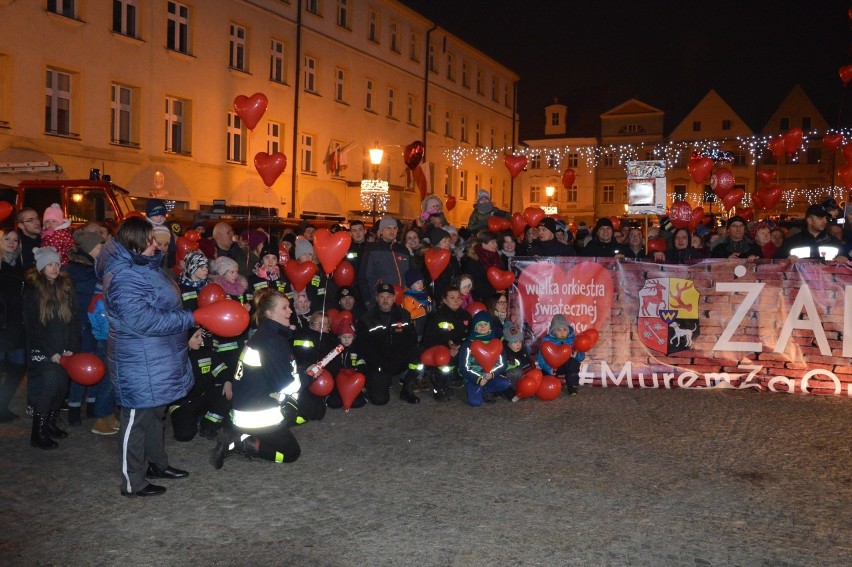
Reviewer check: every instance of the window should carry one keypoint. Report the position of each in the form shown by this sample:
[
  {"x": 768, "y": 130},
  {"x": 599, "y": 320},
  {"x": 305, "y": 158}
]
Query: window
[
  {"x": 608, "y": 160},
  {"x": 740, "y": 157},
  {"x": 608, "y": 194},
  {"x": 177, "y": 130},
  {"x": 680, "y": 192},
  {"x": 373, "y": 27},
  {"x": 343, "y": 13},
  {"x": 572, "y": 160},
  {"x": 414, "y": 47},
  {"x": 429, "y": 125},
  {"x": 308, "y": 153},
  {"x": 535, "y": 194},
  {"x": 464, "y": 78},
  {"x": 553, "y": 161},
  {"x": 450, "y": 73},
  {"x": 391, "y": 103},
  {"x": 276, "y": 61},
  {"x": 235, "y": 138},
  {"x": 273, "y": 137},
  {"x": 554, "y": 119},
  {"x": 463, "y": 184},
  {"x": 726, "y": 124},
  {"x": 433, "y": 66},
  {"x": 784, "y": 123},
  {"x": 448, "y": 124},
  {"x": 90, "y": 204},
  {"x": 124, "y": 17},
  {"x": 121, "y": 115},
  {"x": 463, "y": 130},
  {"x": 177, "y": 32},
  {"x": 238, "y": 48},
  {"x": 535, "y": 161},
  {"x": 312, "y": 6},
  {"x": 494, "y": 89},
  {"x": 448, "y": 180},
  {"x": 477, "y": 183},
  {"x": 806, "y": 123},
  {"x": 339, "y": 85},
  {"x": 310, "y": 74},
  {"x": 58, "y": 103},
  {"x": 506, "y": 96},
  {"x": 394, "y": 37},
  {"x": 814, "y": 155},
  {"x": 479, "y": 82},
  {"x": 696, "y": 126},
  {"x": 477, "y": 133},
  {"x": 412, "y": 108},
  {"x": 368, "y": 101},
  {"x": 61, "y": 7},
  {"x": 571, "y": 194}
]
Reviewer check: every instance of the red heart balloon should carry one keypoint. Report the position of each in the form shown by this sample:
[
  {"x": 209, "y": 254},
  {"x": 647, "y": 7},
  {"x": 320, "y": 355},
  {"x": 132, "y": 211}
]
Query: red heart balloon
[
  {"x": 793, "y": 140},
  {"x": 777, "y": 147},
  {"x": 499, "y": 224},
  {"x": 697, "y": 217},
  {"x": 475, "y": 308},
  {"x": 733, "y": 198},
  {"x": 555, "y": 355},
  {"x": 616, "y": 222},
  {"x": 331, "y": 248},
  {"x": 845, "y": 176},
  {"x": 832, "y": 141},
  {"x": 583, "y": 343},
  {"x": 746, "y": 212},
  {"x": 438, "y": 355},
  {"x": 399, "y": 294},
  {"x": 226, "y": 318},
  {"x": 769, "y": 196},
  {"x": 84, "y": 368},
  {"x": 251, "y": 109},
  {"x": 846, "y": 150},
  {"x": 533, "y": 216},
  {"x": 722, "y": 180},
  {"x": 525, "y": 387},
  {"x": 344, "y": 274},
  {"x": 349, "y": 385},
  {"x": 486, "y": 354},
  {"x": 549, "y": 389},
  {"x": 5, "y": 210},
  {"x": 680, "y": 214},
  {"x": 500, "y": 279},
  {"x": 436, "y": 260},
  {"x": 515, "y": 164},
  {"x": 185, "y": 246},
  {"x": 299, "y": 273},
  {"x": 535, "y": 375},
  {"x": 211, "y": 293},
  {"x": 270, "y": 166},
  {"x": 845, "y": 73},
  {"x": 699, "y": 169},
  {"x": 519, "y": 224},
  {"x": 568, "y": 178},
  {"x": 766, "y": 176},
  {"x": 593, "y": 335},
  {"x": 451, "y": 203},
  {"x": 413, "y": 154},
  {"x": 657, "y": 245},
  {"x": 757, "y": 201},
  {"x": 322, "y": 384}
]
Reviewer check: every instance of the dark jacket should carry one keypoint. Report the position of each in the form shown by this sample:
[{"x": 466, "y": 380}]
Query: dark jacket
[
  {"x": 597, "y": 249},
  {"x": 726, "y": 247},
  {"x": 384, "y": 262},
  {"x": 805, "y": 239},
  {"x": 81, "y": 268},
  {"x": 266, "y": 366},
  {"x": 386, "y": 340},
  {"x": 54, "y": 337},
  {"x": 550, "y": 247},
  {"x": 11, "y": 306},
  {"x": 444, "y": 325}
]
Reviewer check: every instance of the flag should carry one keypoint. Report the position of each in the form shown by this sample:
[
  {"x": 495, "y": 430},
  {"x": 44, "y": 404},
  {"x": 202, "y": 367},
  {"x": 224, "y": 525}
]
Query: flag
[
  {"x": 422, "y": 178},
  {"x": 335, "y": 158}
]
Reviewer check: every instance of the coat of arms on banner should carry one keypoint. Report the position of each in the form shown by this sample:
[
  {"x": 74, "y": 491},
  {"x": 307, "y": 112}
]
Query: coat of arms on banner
[{"x": 668, "y": 314}]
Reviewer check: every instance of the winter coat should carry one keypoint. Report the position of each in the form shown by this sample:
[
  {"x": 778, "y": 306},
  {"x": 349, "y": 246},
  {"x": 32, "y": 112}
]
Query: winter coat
[
  {"x": 148, "y": 354},
  {"x": 386, "y": 340},
  {"x": 81, "y": 268},
  {"x": 569, "y": 340},
  {"x": 266, "y": 366},
  {"x": 384, "y": 262},
  {"x": 54, "y": 337},
  {"x": 11, "y": 306}
]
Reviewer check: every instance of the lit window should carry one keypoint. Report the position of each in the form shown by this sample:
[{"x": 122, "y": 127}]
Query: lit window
[{"x": 276, "y": 62}]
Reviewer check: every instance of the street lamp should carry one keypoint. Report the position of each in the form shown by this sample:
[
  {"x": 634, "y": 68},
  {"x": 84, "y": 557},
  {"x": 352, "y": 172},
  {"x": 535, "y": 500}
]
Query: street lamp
[
  {"x": 374, "y": 192},
  {"x": 550, "y": 190}
]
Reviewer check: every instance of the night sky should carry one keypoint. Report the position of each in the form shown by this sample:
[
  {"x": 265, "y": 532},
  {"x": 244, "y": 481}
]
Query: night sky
[{"x": 596, "y": 54}]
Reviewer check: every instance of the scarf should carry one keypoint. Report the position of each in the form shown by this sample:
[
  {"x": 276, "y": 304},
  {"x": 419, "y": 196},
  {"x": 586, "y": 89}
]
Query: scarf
[
  {"x": 488, "y": 258},
  {"x": 187, "y": 281},
  {"x": 235, "y": 289},
  {"x": 272, "y": 274}
]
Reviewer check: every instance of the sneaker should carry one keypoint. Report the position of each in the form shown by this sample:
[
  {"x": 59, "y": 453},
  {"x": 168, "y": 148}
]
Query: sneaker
[
  {"x": 572, "y": 391},
  {"x": 113, "y": 421},
  {"x": 103, "y": 426}
]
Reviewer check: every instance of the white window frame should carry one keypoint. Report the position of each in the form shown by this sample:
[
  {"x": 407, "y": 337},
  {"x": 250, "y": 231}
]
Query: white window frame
[
  {"x": 126, "y": 17},
  {"x": 310, "y": 74},
  {"x": 464, "y": 75},
  {"x": 477, "y": 133},
  {"x": 178, "y": 26},
  {"x": 411, "y": 108},
  {"x": 306, "y": 148},
  {"x": 235, "y": 136},
  {"x": 121, "y": 115},
  {"x": 394, "y": 37},
  {"x": 273, "y": 137},
  {"x": 238, "y": 50},
  {"x": 58, "y": 110},
  {"x": 312, "y": 7},
  {"x": 277, "y": 61},
  {"x": 433, "y": 64},
  {"x": 571, "y": 194},
  {"x": 608, "y": 194},
  {"x": 339, "y": 85},
  {"x": 176, "y": 122},
  {"x": 535, "y": 194},
  {"x": 463, "y": 184}
]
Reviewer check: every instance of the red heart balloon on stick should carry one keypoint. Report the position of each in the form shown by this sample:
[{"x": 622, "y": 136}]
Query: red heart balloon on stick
[
  {"x": 568, "y": 178},
  {"x": 322, "y": 384},
  {"x": 84, "y": 368},
  {"x": 778, "y": 147},
  {"x": 5, "y": 210},
  {"x": 832, "y": 141},
  {"x": 251, "y": 109},
  {"x": 486, "y": 354},
  {"x": 533, "y": 215},
  {"x": 344, "y": 274},
  {"x": 769, "y": 196},
  {"x": 438, "y": 355},
  {"x": 733, "y": 198},
  {"x": 436, "y": 260},
  {"x": 349, "y": 385},
  {"x": 451, "y": 203},
  {"x": 331, "y": 248},
  {"x": 226, "y": 318},
  {"x": 270, "y": 166},
  {"x": 845, "y": 73},
  {"x": 519, "y": 223},
  {"x": 300, "y": 273},
  {"x": 766, "y": 176},
  {"x": 500, "y": 279},
  {"x": 475, "y": 308},
  {"x": 413, "y": 154},
  {"x": 793, "y": 140},
  {"x": 211, "y": 293},
  {"x": 549, "y": 389},
  {"x": 515, "y": 164},
  {"x": 699, "y": 169},
  {"x": 680, "y": 214},
  {"x": 498, "y": 224},
  {"x": 555, "y": 355}
]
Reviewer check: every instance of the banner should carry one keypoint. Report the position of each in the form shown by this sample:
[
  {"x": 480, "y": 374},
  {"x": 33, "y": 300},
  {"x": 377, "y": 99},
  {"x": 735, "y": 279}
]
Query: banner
[{"x": 769, "y": 325}]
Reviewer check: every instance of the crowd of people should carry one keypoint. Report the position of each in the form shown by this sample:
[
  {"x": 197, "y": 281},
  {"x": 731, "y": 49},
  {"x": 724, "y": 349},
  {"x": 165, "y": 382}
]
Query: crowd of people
[{"x": 129, "y": 298}]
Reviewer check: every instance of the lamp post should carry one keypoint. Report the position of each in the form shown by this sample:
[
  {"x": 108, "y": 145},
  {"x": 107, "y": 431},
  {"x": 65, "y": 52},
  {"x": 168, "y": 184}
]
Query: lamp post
[
  {"x": 374, "y": 192},
  {"x": 550, "y": 190}
]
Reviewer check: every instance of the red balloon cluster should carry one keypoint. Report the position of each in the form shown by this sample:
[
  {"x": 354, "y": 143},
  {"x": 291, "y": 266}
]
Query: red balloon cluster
[
  {"x": 331, "y": 248},
  {"x": 475, "y": 308},
  {"x": 586, "y": 340},
  {"x": 699, "y": 168},
  {"x": 680, "y": 214}
]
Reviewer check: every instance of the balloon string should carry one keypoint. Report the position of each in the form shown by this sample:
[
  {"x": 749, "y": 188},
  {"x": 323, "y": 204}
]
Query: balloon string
[
  {"x": 324, "y": 297},
  {"x": 248, "y": 196}
]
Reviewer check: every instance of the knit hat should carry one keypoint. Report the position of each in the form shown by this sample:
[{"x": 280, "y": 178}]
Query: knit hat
[
  {"x": 385, "y": 288},
  {"x": 603, "y": 222},
  {"x": 343, "y": 326},
  {"x": 222, "y": 265},
  {"x": 162, "y": 234},
  {"x": 436, "y": 235},
  {"x": 549, "y": 224},
  {"x": 483, "y": 202},
  {"x": 86, "y": 241},
  {"x": 255, "y": 238},
  {"x": 559, "y": 322},
  {"x": 412, "y": 276},
  {"x": 155, "y": 207},
  {"x": 451, "y": 230},
  {"x": 513, "y": 334},
  {"x": 480, "y": 195},
  {"x": 53, "y": 212},
  {"x": 387, "y": 222},
  {"x": 736, "y": 218},
  {"x": 269, "y": 249},
  {"x": 303, "y": 246},
  {"x": 193, "y": 261},
  {"x": 44, "y": 256}
]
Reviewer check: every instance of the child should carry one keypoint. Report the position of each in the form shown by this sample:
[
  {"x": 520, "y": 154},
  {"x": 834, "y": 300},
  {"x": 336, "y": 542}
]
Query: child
[
  {"x": 348, "y": 359},
  {"x": 266, "y": 273},
  {"x": 480, "y": 385},
  {"x": 104, "y": 410},
  {"x": 517, "y": 355},
  {"x": 561, "y": 333},
  {"x": 415, "y": 300},
  {"x": 465, "y": 287},
  {"x": 56, "y": 232}
]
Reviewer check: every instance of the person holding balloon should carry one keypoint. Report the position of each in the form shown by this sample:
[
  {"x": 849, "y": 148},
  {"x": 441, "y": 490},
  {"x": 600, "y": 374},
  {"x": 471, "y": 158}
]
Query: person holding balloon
[
  {"x": 562, "y": 333},
  {"x": 349, "y": 360},
  {"x": 481, "y": 379},
  {"x": 448, "y": 326},
  {"x": 516, "y": 353},
  {"x": 266, "y": 273}
]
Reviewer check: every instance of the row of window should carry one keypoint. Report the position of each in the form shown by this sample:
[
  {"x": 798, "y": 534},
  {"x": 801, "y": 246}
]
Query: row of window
[
  {"x": 783, "y": 124},
  {"x": 563, "y": 195}
]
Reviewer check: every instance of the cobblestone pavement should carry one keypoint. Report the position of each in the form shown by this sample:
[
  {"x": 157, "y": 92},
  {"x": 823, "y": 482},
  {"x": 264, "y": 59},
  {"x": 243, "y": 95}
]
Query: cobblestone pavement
[{"x": 610, "y": 477}]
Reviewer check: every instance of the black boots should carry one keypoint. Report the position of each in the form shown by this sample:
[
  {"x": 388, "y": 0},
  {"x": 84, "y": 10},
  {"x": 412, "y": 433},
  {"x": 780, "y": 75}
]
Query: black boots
[
  {"x": 228, "y": 443},
  {"x": 408, "y": 394},
  {"x": 39, "y": 437},
  {"x": 9, "y": 381},
  {"x": 53, "y": 428},
  {"x": 75, "y": 415}
]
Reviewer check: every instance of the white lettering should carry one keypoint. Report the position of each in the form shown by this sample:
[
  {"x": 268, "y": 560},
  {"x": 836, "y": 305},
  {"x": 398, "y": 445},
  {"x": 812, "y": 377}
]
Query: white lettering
[
  {"x": 752, "y": 290},
  {"x": 803, "y": 299}
]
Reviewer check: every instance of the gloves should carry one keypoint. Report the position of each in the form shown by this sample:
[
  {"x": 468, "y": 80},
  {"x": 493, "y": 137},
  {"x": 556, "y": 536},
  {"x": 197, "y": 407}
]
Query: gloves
[{"x": 424, "y": 216}]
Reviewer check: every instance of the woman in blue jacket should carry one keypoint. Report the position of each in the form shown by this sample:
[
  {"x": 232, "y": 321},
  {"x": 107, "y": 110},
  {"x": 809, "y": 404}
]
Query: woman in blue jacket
[{"x": 147, "y": 357}]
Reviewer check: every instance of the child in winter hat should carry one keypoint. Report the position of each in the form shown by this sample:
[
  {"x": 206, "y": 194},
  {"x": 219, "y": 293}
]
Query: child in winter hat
[
  {"x": 44, "y": 256},
  {"x": 56, "y": 232}
]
